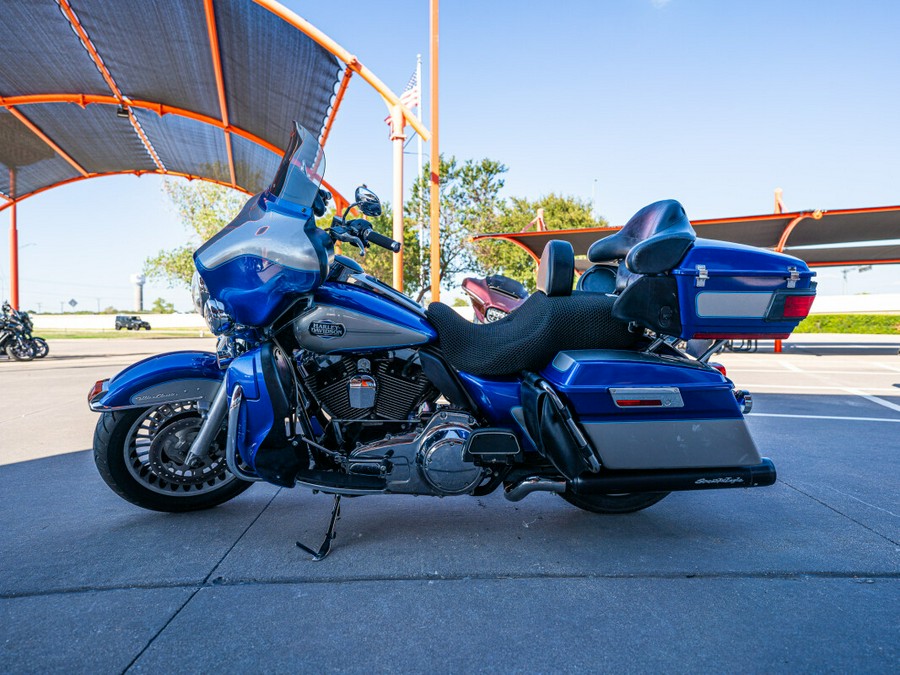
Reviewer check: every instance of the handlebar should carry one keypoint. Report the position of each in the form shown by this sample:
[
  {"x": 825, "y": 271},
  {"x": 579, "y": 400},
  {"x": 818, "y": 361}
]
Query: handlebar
[
  {"x": 360, "y": 232},
  {"x": 373, "y": 237}
]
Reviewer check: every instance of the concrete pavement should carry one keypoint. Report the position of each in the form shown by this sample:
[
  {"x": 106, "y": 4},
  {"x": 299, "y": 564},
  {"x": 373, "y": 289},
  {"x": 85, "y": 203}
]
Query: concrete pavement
[{"x": 803, "y": 576}]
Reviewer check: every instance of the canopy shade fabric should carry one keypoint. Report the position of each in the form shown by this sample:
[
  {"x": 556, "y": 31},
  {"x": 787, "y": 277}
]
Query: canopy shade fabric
[
  {"x": 846, "y": 237},
  {"x": 199, "y": 88}
]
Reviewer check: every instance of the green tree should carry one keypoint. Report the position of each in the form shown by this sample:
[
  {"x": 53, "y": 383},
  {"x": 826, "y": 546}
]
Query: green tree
[
  {"x": 379, "y": 262},
  {"x": 470, "y": 205},
  {"x": 160, "y": 306},
  {"x": 204, "y": 209},
  {"x": 495, "y": 256}
]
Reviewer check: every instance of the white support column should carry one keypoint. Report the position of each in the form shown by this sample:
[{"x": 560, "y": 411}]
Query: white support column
[{"x": 397, "y": 138}]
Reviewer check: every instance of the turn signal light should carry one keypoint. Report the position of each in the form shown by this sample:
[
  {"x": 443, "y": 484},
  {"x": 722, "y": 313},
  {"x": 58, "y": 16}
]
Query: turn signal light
[{"x": 98, "y": 388}]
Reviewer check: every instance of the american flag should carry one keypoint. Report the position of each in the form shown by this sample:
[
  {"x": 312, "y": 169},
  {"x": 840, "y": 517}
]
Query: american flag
[{"x": 410, "y": 95}]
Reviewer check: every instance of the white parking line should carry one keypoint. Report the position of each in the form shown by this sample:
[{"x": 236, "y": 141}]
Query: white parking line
[
  {"x": 827, "y": 417},
  {"x": 874, "y": 399},
  {"x": 791, "y": 366},
  {"x": 813, "y": 387},
  {"x": 810, "y": 371},
  {"x": 886, "y": 366}
]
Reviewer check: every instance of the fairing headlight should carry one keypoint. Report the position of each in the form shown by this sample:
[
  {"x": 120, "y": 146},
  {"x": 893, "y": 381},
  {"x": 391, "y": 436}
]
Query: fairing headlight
[
  {"x": 494, "y": 314},
  {"x": 218, "y": 320},
  {"x": 199, "y": 294},
  {"x": 213, "y": 311}
]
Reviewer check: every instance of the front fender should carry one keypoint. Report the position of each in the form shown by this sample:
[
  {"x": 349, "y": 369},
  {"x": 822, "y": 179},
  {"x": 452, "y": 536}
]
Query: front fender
[{"x": 167, "y": 378}]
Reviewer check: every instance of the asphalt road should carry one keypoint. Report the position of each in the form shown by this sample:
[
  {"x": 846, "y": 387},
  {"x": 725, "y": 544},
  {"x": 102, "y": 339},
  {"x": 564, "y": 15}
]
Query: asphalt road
[{"x": 803, "y": 576}]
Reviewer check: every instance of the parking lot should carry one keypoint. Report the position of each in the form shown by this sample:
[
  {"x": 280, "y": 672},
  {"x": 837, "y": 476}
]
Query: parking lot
[{"x": 803, "y": 576}]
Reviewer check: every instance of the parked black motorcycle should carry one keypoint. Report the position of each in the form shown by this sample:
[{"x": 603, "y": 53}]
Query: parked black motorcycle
[{"x": 17, "y": 340}]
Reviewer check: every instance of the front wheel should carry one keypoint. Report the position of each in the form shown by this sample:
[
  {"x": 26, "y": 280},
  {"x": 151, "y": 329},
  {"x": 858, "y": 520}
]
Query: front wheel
[
  {"x": 614, "y": 504},
  {"x": 19, "y": 350},
  {"x": 140, "y": 454}
]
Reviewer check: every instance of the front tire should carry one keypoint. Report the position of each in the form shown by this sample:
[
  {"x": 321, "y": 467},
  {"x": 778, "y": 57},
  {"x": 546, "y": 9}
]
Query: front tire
[
  {"x": 139, "y": 454},
  {"x": 614, "y": 504},
  {"x": 19, "y": 350}
]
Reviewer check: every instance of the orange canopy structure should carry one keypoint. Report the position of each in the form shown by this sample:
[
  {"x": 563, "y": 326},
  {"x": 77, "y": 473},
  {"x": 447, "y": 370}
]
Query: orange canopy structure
[
  {"x": 203, "y": 89},
  {"x": 840, "y": 237}
]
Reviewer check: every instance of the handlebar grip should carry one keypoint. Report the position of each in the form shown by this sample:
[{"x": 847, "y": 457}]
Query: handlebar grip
[{"x": 374, "y": 237}]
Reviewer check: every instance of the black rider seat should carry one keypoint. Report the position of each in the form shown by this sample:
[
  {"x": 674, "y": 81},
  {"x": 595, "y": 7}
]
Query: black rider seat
[{"x": 548, "y": 322}]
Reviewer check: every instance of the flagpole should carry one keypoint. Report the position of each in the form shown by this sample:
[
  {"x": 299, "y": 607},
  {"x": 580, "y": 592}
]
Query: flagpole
[{"x": 435, "y": 185}]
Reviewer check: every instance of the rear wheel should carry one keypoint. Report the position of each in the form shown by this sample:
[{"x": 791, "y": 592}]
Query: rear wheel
[
  {"x": 41, "y": 348},
  {"x": 613, "y": 504},
  {"x": 140, "y": 454}
]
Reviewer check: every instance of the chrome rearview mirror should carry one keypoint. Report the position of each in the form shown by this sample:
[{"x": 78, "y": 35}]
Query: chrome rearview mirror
[{"x": 367, "y": 201}]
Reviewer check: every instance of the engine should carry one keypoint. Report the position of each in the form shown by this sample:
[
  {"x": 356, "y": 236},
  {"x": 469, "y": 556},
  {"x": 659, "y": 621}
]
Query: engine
[
  {"x": 387, "y": 386},
  {"x": 431, "y": 461}
]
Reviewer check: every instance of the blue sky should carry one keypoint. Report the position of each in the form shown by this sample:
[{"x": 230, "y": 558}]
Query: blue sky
[{"x": 708, "y": 102}]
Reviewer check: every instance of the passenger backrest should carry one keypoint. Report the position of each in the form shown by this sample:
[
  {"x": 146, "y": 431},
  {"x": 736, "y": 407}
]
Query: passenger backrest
[
  {"x": 556, "y": 271},
  {"x": 653, "y": 241}
]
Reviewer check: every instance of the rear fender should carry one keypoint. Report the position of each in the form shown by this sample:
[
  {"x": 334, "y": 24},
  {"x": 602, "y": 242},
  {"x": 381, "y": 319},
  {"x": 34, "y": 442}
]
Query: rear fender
[{"x": 167, "y": 378}]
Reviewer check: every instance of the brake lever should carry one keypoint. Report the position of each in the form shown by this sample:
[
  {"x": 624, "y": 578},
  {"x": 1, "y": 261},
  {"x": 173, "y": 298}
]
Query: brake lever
[{"x": 341, "y": 234}]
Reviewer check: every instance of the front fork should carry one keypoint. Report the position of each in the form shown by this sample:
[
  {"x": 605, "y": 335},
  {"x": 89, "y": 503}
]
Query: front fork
[{"x": 210, "y": 427}]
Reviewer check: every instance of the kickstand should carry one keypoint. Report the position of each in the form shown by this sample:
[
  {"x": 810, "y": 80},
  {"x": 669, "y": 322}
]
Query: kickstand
[{"x": 325, "y": 548}]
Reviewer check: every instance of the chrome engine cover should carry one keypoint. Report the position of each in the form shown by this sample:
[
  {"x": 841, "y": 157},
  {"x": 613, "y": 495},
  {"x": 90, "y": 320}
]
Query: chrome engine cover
[{"x": 428, "y": 463}]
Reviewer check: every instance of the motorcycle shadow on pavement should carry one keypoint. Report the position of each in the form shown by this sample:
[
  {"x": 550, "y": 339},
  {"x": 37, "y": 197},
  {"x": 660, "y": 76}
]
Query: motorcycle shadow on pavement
[{"x": 67, "y": 530}]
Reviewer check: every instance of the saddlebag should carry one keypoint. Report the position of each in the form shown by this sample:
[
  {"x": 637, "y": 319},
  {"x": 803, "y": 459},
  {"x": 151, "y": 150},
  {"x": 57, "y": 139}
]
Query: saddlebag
[{"x": 639, "y": 411}]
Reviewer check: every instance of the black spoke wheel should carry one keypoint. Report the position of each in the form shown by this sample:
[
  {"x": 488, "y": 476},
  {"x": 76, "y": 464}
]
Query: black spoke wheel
[
  {"x": 140, "y": 454},
  {"x": 614, "y": 504},
  {"x": 19, "y": 349}
]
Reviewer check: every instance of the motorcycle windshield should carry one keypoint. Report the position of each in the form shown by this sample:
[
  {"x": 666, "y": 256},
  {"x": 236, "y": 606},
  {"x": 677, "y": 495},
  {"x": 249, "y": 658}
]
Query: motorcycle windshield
[
  {"x": 300, "y": 174},
  {"x": 276, "y": 226}
]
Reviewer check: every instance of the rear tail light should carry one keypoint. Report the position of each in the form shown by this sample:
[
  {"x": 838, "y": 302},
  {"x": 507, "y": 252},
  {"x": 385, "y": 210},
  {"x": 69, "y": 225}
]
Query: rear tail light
[
  {"x": 797, "y": 306},
  {"x": 790, "y": 305},
  {"x": 647, "y": 397},
  {"x": 720, "y": 368}
]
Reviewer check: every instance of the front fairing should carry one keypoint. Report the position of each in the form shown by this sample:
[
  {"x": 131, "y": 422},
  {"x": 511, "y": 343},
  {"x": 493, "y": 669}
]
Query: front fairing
[
  {"x": 272, "y": 252},
  {"x": 263, "y": 261}
]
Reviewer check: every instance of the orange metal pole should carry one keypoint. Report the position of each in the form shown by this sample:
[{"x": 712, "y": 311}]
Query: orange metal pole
[
  {"x": 435, "y": 187},
  {"x": 338, "y": 99},
  {"x": 397, "y": 138},
  {"x": 782, "y": 242},
  {"x": 220, "y": 80},
  {"x": 13, "y": 246},
  {"x": 44, "y": 137}
]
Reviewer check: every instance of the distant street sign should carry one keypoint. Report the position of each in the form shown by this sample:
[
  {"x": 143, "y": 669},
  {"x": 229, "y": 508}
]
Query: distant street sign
[{"x": 72, "y": 303}]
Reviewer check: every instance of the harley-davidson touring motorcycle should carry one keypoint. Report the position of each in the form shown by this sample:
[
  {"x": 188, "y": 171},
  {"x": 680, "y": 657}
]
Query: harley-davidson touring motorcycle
[{"x": 328, "y": 379}]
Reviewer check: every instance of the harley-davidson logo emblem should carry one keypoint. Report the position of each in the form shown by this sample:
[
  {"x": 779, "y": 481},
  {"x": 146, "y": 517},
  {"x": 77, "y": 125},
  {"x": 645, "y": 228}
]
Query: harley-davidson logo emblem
[{"x": 326, "y": 329}]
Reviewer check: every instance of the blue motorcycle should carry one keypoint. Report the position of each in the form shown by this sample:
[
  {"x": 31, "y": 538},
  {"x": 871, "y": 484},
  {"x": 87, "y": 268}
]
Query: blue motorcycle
[{"x": 326, "y": 378}]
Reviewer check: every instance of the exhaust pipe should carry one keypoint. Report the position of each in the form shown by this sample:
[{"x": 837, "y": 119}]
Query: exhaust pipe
[
  {"x": 663, "y": 480},
  {"x": 672, "y": 480},
  {"x": 526, "y": 486}
]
